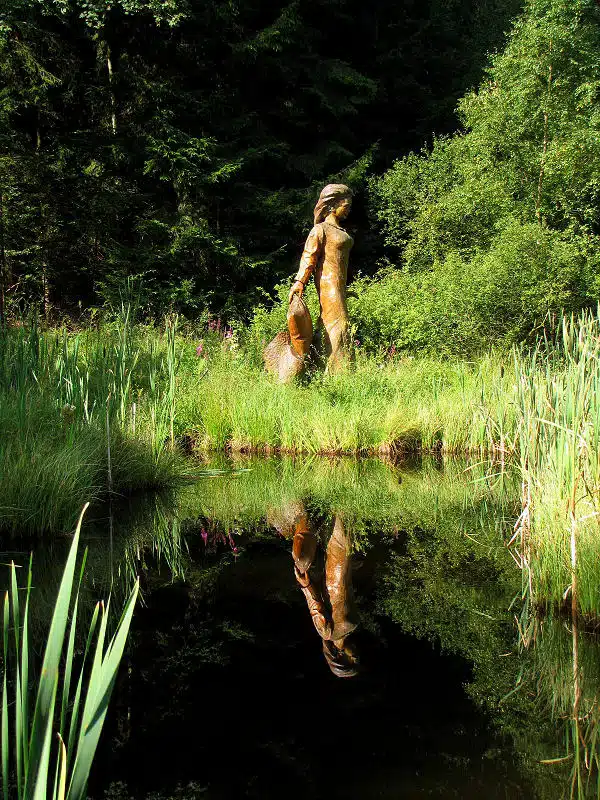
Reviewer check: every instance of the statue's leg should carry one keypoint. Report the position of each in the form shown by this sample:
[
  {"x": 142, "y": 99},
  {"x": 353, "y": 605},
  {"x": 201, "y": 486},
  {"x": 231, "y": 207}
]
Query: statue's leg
[
  {"x": 304, "y": 549},
  {"x": 337, "y": 339},
  {"x": 338, "y": 580}
]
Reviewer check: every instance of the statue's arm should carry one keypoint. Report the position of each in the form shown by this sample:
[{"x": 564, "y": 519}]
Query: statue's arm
[{"x": 309, "y": 259}]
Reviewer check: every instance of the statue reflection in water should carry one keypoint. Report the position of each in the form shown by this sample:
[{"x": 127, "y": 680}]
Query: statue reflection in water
[{"x": 330, "y": 599}]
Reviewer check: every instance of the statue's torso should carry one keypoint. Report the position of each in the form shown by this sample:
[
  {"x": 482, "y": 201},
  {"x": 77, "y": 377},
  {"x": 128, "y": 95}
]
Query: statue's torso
[{"x": 332, "y": 270}]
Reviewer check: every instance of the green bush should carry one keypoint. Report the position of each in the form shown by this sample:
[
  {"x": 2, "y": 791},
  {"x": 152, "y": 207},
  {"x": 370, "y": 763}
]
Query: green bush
[
  {"x": 499, "y": 225},
  {"x": 499, "y": 296}
]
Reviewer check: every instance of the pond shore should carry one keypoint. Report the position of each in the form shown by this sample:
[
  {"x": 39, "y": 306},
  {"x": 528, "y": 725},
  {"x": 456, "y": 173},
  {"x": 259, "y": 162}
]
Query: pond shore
[{"x": 116, "y": 409}]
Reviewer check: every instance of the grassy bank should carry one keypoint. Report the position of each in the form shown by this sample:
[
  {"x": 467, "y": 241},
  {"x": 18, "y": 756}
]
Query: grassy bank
[
  {"x": 87, "y": 412},
  {"x": 403, "y": 405},
  {"x": 84, "y": 413}
]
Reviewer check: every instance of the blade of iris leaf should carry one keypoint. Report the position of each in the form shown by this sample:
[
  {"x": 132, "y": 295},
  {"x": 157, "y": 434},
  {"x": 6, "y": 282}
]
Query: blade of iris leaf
[
  {"x": 70, "y": 650},
  {"x": 40, "y": 785},
  {"x": 93, "y": 683},
  {"x": 62, "y": 783},
  {"x": 25, "y": 670},
  {"x": 5, "y": 744},
  {"x": 95, "y": 713},
  {"x": 46, "y": 696},
  {"x": 16, "y": 619},
  {"x": 77, "y": 699}
]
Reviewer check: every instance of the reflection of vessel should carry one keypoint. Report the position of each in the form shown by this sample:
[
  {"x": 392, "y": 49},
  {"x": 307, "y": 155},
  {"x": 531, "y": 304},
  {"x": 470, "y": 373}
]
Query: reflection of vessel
[{"x": 331, "y": 606}]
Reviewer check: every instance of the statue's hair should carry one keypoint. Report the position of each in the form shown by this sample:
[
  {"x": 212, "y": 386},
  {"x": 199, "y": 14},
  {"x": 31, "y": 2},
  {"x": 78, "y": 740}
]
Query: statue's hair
[{"x": 331, "y": 195}]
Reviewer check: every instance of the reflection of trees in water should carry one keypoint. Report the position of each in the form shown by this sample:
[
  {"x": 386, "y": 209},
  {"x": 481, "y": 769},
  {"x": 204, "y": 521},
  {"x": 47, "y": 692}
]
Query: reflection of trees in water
[
  {"x": 541, "y": 691},
  {"x": 445, "y": 576}
]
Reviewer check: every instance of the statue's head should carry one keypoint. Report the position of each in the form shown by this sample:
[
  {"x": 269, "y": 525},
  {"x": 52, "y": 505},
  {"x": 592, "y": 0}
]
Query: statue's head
[{"x": 336, "y": 198}]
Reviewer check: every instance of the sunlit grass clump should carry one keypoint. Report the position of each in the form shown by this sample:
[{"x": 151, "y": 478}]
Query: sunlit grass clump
[{"x": 400, "y": 404}]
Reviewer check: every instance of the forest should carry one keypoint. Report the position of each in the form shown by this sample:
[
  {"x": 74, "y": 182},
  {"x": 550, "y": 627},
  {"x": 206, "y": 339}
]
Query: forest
[{"x": 159, "y": 165}]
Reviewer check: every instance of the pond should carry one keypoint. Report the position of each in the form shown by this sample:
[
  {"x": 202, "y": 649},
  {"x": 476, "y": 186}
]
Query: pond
[{"x": 331, "y": 628}]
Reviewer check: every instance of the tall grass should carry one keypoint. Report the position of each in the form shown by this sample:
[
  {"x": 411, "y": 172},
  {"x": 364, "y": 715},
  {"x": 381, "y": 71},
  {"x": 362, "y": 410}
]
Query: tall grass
[
  {"x": 558, "y": 446},
  {"x": 87, "y": 412},
  {"x": 83, "y": 414},
  {"x": 399, "y": 405},
  {"x": 54, "y": 739}
]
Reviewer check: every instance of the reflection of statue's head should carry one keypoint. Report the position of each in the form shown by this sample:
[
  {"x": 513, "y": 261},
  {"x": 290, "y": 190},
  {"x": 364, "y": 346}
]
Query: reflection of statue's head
[
  {"x": 342, "y": 657},
  {"x": 335, "y": 196},
  {"x": 284, "y": 518}
]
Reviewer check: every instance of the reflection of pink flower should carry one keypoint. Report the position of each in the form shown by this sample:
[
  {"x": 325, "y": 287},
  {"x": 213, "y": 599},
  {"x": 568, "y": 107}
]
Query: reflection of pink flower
[
  {"x": 204, "y": 535},
  {"x": 200, "y": 349}
]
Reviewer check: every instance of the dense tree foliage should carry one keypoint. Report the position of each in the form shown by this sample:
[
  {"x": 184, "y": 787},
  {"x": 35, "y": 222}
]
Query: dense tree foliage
[
  {"x": 184, "y": 141},
  {"x": 497, "y": 227}
]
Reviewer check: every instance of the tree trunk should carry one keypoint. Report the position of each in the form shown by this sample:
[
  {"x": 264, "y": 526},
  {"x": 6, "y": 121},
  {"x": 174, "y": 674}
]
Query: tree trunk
[
  {"x": 113, "y": 102},
  {"x": 3, "y": 265}
]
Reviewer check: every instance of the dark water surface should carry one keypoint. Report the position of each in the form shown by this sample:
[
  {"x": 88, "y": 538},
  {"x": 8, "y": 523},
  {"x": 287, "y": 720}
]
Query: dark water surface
[{"x": 226, "y": 690}]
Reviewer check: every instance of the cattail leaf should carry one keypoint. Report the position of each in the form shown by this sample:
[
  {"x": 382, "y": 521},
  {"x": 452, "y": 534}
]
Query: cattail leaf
[
  {"x": 5, "y": 742},
  {"x": 44, "y": 708},
  {"x": 102, "y": 680}
]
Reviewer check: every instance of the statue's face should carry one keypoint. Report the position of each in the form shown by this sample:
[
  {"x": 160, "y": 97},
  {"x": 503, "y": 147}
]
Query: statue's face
[{"x": 342, "y": 209}]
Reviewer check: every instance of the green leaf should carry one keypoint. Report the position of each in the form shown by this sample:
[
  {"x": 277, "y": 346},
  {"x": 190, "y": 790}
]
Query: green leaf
[{"x": 35, "y": 786}]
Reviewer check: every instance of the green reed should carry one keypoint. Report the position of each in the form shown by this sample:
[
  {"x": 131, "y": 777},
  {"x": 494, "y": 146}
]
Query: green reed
[
  {"x": 50, "y": 732},
  {"x": 559, "y": 672},
  {"x": 82, "y": 413},
  {"x": 559, "y": 432}
]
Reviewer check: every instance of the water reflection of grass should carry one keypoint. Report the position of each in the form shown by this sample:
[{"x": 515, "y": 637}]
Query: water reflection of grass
[
  {"x": 539, "y": 683},
  {"x": 560, "y": 668},
  {"x": 365, "y": 492},
  {"x": 446, "y": 576}
]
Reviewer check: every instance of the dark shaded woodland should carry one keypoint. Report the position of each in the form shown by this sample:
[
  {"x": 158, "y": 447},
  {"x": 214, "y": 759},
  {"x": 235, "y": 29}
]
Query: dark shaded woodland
[{"x": 185, "y": 142}]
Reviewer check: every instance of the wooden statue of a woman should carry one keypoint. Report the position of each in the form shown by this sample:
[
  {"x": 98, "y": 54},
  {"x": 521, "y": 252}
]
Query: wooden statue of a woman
[{"x": 325, "y": 256}]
